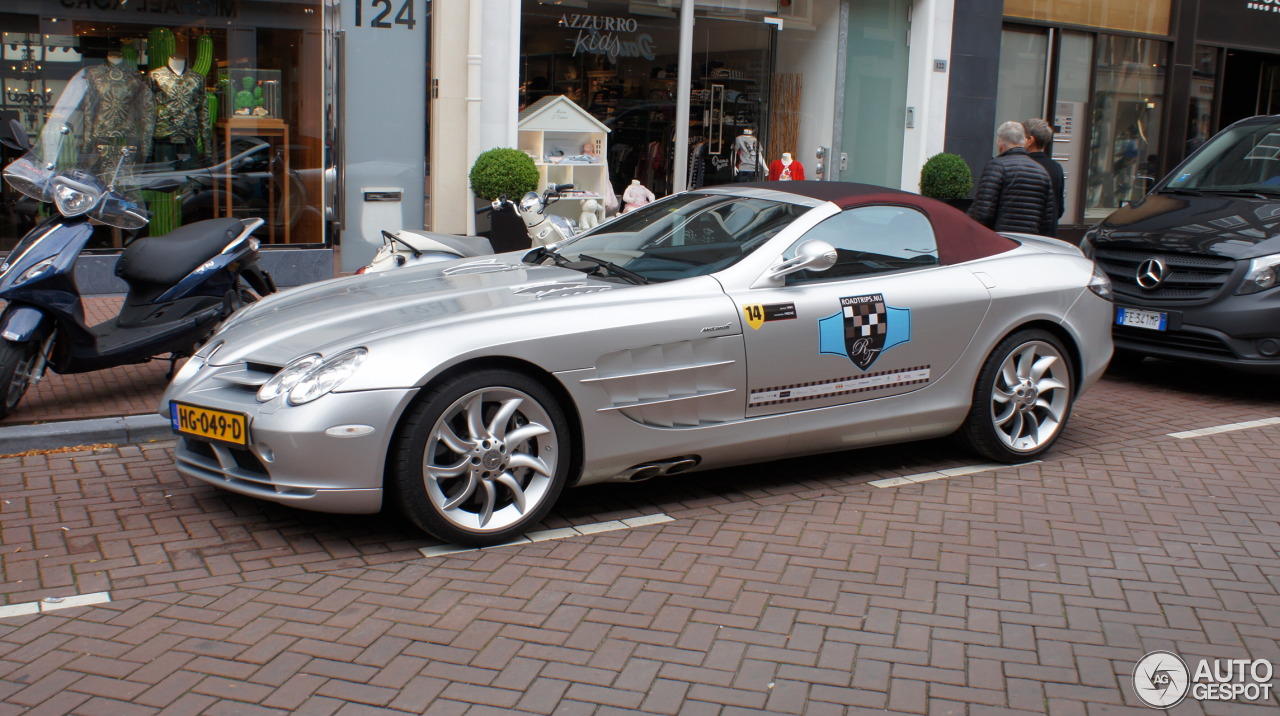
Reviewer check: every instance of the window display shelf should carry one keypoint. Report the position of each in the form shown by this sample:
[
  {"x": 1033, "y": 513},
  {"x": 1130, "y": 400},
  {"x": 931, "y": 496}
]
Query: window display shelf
[{"x": 557, "y": 126}]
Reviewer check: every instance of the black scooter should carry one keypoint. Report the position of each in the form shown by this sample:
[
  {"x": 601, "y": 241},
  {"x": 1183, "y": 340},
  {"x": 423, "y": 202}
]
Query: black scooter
[{"x": 181, "y": 285}]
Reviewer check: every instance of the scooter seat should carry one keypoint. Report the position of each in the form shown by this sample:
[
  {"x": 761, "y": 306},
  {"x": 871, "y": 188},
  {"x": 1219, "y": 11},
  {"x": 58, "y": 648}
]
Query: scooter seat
[
  {"x": 168, "y": 258},
  {"x": 464, "y": 246}
]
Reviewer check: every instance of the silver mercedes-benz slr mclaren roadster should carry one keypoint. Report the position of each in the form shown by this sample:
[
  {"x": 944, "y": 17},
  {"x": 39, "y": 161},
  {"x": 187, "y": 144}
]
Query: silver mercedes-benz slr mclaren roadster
[{"x": 712, "y": 328}]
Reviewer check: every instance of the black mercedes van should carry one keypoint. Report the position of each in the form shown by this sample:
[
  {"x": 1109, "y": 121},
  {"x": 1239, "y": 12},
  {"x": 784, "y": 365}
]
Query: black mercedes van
[{"x": 1194, "y": 264}]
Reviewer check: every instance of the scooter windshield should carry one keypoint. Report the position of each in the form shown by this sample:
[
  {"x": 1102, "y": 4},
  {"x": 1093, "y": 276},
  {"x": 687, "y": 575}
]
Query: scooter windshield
[{"x": 83, "y": 160}]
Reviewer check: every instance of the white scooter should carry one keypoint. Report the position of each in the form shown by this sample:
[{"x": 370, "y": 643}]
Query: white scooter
[
  {"x": 408, "y": 247},
  {"x": 515, "y": 227}
]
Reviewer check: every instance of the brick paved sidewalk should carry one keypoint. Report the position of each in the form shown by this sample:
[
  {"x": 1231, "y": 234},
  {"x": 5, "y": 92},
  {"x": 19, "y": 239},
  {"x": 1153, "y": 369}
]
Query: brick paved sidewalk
[
  {"x": 802, "y": 590},
  {"x": 126, "y": 390}
]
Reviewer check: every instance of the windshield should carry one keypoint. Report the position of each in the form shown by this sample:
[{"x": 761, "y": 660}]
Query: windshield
[
  {"x": 84, "y": 159},
  {"x": 685, "y": 235},
  {"x": 1240, "y": 158}
]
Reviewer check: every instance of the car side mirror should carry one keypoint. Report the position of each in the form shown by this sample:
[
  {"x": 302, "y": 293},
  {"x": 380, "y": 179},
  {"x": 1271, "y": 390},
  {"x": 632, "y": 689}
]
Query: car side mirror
[
  {"x": 812, "y": 255},
  {"x": 13, "y": 136}
]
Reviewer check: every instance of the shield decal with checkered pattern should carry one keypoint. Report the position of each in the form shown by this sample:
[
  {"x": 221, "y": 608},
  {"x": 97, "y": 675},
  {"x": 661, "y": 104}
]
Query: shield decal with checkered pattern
[{"x": 864, "y": 328}]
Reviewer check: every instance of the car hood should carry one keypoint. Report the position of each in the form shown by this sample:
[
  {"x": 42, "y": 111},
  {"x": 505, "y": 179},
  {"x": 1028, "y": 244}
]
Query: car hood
[
  {"x": 1231, "y": 227},
  {"x": 332, "y": 315}
]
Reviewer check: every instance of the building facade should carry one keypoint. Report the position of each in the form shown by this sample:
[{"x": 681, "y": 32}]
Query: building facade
[
  {"x": 335, "y": 119},
  {"x": 240, "y": 127},
  {"x": 1131, "y": 86}
]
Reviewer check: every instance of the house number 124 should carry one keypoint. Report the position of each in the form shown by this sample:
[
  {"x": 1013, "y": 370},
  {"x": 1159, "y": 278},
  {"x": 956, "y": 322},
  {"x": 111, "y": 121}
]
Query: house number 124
[{"x": 382, "y": 20}]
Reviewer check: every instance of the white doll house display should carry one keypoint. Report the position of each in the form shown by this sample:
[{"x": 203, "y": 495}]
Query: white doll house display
[{"x": 568, "y": 146}]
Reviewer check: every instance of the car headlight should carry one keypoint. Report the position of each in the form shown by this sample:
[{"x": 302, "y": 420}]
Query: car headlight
[
  {"x": 1261, "y": 276},
  {"x": 72, "y": 201},
  {"x": 33, "y": 272},
  {"x": 326, "y": 376},
  {"x": 288, "y": 377},
  {"x": 1100, "y": 283}
]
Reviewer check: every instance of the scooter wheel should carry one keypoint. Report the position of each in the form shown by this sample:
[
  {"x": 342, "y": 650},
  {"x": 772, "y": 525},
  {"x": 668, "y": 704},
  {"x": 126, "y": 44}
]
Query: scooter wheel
[{"x": 17, "y": 371}]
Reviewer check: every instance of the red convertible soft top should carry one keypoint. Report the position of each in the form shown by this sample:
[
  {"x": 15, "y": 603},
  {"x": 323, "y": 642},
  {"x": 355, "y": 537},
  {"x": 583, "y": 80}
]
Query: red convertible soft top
[{"x": 960, "y": 238}]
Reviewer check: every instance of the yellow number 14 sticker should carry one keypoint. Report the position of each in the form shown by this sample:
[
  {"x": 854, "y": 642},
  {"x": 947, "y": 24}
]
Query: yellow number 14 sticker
[{"x": 754, "y": 314}]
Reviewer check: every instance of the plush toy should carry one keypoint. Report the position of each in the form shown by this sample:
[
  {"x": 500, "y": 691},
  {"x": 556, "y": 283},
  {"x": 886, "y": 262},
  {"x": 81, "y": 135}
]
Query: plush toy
[{"x": 590, "y": 216}]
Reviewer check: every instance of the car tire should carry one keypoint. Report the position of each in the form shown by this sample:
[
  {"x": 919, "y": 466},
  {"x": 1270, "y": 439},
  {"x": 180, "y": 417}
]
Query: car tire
[
  {"x": 481, "y": 457},
  {"x": 1022, "y": 400},
  {"x": 17, "y": 367}
]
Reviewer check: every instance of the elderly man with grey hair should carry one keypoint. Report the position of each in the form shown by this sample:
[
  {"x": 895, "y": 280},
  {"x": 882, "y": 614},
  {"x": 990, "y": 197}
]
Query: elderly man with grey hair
[{"x": 1014, "y": 192}]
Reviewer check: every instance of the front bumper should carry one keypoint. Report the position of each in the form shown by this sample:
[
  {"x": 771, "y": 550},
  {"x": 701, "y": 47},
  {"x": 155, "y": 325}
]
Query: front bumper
[
  {"x": 1238, "y": 332},
  {"x": 290, "y": 459}
]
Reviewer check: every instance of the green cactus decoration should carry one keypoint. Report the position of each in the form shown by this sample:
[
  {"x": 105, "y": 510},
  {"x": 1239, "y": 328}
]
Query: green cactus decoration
[
  {"x": 160, "y": 45},
  {"x": 130, "y": 53},
  {"x": 204, "y": 55},
  {"x": 68, "y": 152},
  {"x": 166, "y": 211},
  {"x": 211, "y": 101}
]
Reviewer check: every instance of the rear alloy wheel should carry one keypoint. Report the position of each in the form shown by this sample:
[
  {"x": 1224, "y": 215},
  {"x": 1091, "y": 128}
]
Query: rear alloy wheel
[
  {"x": 482, "y": 458},
  {"x": 1022, "y": 400},
  {"x": 17, "y": 372}
]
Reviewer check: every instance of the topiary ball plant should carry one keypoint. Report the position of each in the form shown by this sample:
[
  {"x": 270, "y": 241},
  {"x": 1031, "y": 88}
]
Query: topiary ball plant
[
  {"x": 503, "y": 171},
  {"x": 946, "y": 176}
]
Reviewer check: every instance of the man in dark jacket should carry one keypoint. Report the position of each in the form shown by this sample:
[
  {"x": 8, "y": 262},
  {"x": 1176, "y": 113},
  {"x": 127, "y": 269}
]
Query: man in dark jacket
[
  {"x": 1039, "y": 140},
  {"x": 1014, "y": 193}
]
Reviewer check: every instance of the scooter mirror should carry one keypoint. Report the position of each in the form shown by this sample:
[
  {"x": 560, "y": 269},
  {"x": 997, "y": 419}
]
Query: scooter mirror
[{"x": 13, "y": 136}]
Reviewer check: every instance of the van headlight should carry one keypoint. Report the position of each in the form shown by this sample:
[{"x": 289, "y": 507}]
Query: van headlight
[
  {"x": 1261, "y": 276},
  {"x": 1100, "y": 283}
]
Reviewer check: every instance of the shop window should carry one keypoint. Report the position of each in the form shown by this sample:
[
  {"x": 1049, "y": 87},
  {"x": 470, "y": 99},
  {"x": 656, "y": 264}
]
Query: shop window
[
  {"x": 220, "y": 115},
  {"x": 1128, "y": 102},
  {"x": 1149, "y": 16}
]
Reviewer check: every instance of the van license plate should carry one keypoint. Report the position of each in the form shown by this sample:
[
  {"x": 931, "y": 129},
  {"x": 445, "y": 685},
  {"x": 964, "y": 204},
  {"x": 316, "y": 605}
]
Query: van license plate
[
  {"x": 213, "y": 424},
  {"x": 1136, "y": 318}
]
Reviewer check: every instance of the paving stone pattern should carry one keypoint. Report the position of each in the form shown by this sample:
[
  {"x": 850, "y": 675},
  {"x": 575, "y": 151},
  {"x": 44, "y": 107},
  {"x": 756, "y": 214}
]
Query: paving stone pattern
[{"x": 789, "y": 587}]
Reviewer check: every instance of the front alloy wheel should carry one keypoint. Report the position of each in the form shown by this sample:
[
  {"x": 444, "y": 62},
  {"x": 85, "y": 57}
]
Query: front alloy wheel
[
  {"x": 483, "y": 458},
  {"x": 1023, "y": 398}
]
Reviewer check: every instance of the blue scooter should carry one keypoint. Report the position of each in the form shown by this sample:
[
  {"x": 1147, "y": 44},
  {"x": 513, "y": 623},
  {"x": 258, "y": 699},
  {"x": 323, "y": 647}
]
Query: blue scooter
[{"x": 182, "y": 285}]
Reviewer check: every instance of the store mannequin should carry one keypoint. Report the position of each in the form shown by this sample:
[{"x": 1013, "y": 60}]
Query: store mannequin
[
  {"x": 786, "y": 169},
  {"x": 182, "y": 115},
  {"x": 635, "y": 196},
  {"x": 746, "y": 156},
  {"x": 119, "y": 116}
]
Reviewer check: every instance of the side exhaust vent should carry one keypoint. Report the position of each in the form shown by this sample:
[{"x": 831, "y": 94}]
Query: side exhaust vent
[{"x": 650, "y": 470}]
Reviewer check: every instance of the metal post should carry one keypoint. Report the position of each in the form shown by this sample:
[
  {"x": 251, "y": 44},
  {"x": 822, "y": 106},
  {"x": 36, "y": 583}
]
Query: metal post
[{"x": 684, "y": 88}]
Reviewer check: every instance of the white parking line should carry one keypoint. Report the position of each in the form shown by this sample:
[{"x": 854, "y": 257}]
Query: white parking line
[
  {"x": 50, "y": 604},
  {"x": 1229, "y": 427},
  {"x": 939, "y": 474},
  {"x": 560, "y": 533}
]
